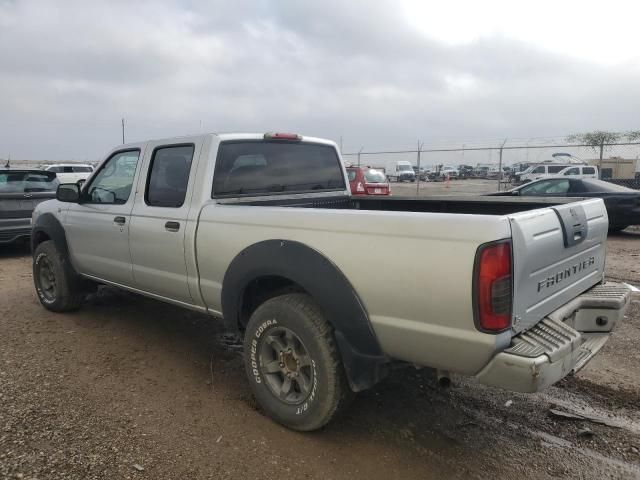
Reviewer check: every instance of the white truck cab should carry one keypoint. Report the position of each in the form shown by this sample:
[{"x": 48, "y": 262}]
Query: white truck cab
[{"x": 403, "y": 171}]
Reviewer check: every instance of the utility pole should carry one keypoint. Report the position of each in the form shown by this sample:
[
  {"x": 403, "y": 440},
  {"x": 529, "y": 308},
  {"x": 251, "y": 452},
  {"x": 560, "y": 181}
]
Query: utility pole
[
  {"x": 500, "y": 165},
  {"x": 123, "y": 130},
  {"x": 418, "y": 173}
]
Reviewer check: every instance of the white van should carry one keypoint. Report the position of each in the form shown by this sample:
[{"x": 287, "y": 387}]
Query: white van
[
  {"x": 542, "y": 171},
  {"x": 580, "y": 171},
  {"x": 70, "y": 172}
]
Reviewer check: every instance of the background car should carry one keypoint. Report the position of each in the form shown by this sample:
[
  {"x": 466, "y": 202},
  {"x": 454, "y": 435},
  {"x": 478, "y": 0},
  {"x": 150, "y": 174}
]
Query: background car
[
  {"x": 623, "y": 204},
  {"x": 402, "y": 171},
  {"x": 367, "y": 181},
  {"x": 449, "y": 171},
  {"x": 20, "y": 191},
  {"x": 70, "y": 172}
]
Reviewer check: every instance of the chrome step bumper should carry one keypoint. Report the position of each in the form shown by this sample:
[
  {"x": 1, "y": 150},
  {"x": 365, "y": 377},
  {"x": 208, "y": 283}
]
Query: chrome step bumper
[{"x": 561, "y": 343}]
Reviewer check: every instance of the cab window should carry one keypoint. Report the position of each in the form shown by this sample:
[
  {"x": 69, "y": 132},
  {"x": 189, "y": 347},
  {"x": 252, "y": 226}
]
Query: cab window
[
  {"x": 112, "y": 184},
  {"x": 169, "y": 176},
  {"x": 539, "y": 169},
  {"x": 573, "y": 171}
]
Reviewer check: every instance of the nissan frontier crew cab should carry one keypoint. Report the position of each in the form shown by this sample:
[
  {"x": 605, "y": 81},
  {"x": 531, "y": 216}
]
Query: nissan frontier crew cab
[{"x": 261, "y": 231}]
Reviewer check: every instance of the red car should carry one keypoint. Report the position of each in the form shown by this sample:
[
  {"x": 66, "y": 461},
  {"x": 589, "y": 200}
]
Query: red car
[{"x": 368, "y": 181}]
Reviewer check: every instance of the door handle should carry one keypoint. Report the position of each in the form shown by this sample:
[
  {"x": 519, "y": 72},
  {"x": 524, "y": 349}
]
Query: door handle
[
  {"x": 172, "y": 226},
  {"x": 120, "y": 220}
]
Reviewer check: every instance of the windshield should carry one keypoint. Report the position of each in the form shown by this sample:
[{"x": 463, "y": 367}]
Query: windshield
[
  {"x": 25, "y": 182},
  {"x": 374, "y": 176},
  {"x": 528, "y": 170},
  {"x": 404, "y": 168}
]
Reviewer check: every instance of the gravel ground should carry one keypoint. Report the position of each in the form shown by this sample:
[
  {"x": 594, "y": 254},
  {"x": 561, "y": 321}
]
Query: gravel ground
[{"x": 131, "y": 388}]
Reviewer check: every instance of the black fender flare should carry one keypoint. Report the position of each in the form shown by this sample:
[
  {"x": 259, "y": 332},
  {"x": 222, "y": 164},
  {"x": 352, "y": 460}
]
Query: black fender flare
[
  {"x": 50, "y": 226},
  {"x": 364, "y": 362}
]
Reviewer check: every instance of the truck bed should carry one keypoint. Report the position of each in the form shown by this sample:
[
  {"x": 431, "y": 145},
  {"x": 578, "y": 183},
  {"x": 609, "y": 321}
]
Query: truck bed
[{"x": 434, "y": 204}]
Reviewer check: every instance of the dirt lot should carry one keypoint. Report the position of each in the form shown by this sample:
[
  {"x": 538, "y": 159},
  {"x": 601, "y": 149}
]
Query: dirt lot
[{"x": 132, "y": 388}]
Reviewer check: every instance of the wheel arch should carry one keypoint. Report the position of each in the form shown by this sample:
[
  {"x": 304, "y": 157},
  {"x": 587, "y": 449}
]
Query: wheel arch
[{"x": 274, "y": 267}]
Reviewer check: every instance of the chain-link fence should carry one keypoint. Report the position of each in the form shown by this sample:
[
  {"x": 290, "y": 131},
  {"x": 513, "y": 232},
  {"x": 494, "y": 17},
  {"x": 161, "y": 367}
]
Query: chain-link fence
[{"x": 617, "y": 162}]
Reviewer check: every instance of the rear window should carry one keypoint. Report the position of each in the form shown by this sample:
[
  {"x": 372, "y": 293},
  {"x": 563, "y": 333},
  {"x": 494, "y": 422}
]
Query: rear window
[
  {"x": 272, "y": 167},
  {"x": 25, "y": 182},
  {"x": 82, "y": 169},
  {"x": 374, "y": 176}
]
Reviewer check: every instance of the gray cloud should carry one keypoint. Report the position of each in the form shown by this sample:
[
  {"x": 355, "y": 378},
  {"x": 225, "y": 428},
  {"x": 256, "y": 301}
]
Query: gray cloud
[{"x": 71, "y": 69}]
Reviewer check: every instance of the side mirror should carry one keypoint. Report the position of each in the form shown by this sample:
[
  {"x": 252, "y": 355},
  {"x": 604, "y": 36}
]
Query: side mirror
[
  {"x": 81, "y": 182},
  {"x": 515, "y": 192},
  {"x": 68, "y": 192}
]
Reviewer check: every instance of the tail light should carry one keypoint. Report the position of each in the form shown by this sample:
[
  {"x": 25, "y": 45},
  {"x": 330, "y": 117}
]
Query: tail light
[
  {"x": 492, "y": 287},
  {"x": 359, "y": 187}
]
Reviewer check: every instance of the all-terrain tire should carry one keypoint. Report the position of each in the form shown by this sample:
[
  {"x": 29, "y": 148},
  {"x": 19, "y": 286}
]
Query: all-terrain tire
[
  {"x": 297, "y": 318},
  {"x": 56, "y": 286}
]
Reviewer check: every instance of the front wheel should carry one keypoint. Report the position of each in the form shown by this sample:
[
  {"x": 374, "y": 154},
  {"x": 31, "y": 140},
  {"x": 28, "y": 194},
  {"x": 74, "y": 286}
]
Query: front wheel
[
  {"x": 293, "y": 364},
  {"x": 56, "y": 287}
]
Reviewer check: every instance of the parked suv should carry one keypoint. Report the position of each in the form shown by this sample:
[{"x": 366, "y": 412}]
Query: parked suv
[
  {"x": 367, "y": 181},
  {"x": 70, "y": 172},
  {"x": 20, "y": 191},
  {"x": 539, "y": 171},
  {"x": 580, "y": 171}
]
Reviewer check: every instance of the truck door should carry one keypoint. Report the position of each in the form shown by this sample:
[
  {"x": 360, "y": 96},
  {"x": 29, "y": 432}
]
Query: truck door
[
  {"x": 98, "y": 227},
  {"x": 159, "y": 218}
]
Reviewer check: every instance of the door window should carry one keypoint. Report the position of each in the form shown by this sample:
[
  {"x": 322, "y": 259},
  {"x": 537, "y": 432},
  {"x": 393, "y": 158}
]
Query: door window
[
  {"x": 556, "y": 168},
  {"x": 112, "y": 184},
  {"x": 573, "y": 171},
  {"x": 169, "y": 176},
  {"x": 538, "y": 170}
]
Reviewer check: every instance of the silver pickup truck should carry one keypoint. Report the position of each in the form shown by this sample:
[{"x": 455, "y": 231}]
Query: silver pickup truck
[{"x": 326, "y": 290}]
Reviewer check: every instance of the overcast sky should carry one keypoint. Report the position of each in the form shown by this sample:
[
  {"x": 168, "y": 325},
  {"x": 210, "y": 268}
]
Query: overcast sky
[{"x": 379, "y": 74}]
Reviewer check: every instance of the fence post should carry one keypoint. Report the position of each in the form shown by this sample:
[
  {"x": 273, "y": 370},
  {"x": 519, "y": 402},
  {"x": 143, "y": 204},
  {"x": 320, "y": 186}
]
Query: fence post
[
  {"x": 418, "y": 174},
  {"x": 600, "y": 161},
  {"x": 500, "y": 165}
]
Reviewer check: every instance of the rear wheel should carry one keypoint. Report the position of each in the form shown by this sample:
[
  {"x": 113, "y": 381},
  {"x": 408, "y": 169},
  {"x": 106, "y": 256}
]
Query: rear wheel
[
  {"x": 293, "y": 364},
  {"x": 56, "y": 287}
]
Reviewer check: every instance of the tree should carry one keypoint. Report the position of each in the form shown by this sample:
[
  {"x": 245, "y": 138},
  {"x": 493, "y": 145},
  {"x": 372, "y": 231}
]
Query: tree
[
  {"x": 596, "y": 138},
  {"x": 632, "y": 135}
]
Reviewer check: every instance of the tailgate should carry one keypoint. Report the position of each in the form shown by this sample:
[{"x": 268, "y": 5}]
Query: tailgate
[{"x": 558, "y": 253}]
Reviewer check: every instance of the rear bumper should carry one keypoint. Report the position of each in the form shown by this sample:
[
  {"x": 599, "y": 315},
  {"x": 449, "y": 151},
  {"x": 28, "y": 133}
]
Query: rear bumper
[{"x": 562, "y": 343}]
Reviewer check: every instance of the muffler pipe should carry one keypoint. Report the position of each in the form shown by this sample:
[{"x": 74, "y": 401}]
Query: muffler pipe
[{"x": 444, "y": 379}]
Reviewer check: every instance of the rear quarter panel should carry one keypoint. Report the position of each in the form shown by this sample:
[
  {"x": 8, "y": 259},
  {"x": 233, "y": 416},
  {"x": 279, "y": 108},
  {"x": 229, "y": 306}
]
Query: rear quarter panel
[{"x": 412, "y": 271}]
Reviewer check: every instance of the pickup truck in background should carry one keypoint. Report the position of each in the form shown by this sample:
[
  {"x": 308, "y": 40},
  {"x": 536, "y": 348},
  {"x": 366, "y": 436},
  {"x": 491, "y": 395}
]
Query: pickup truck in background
[{"x": 262, "y": 231}]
